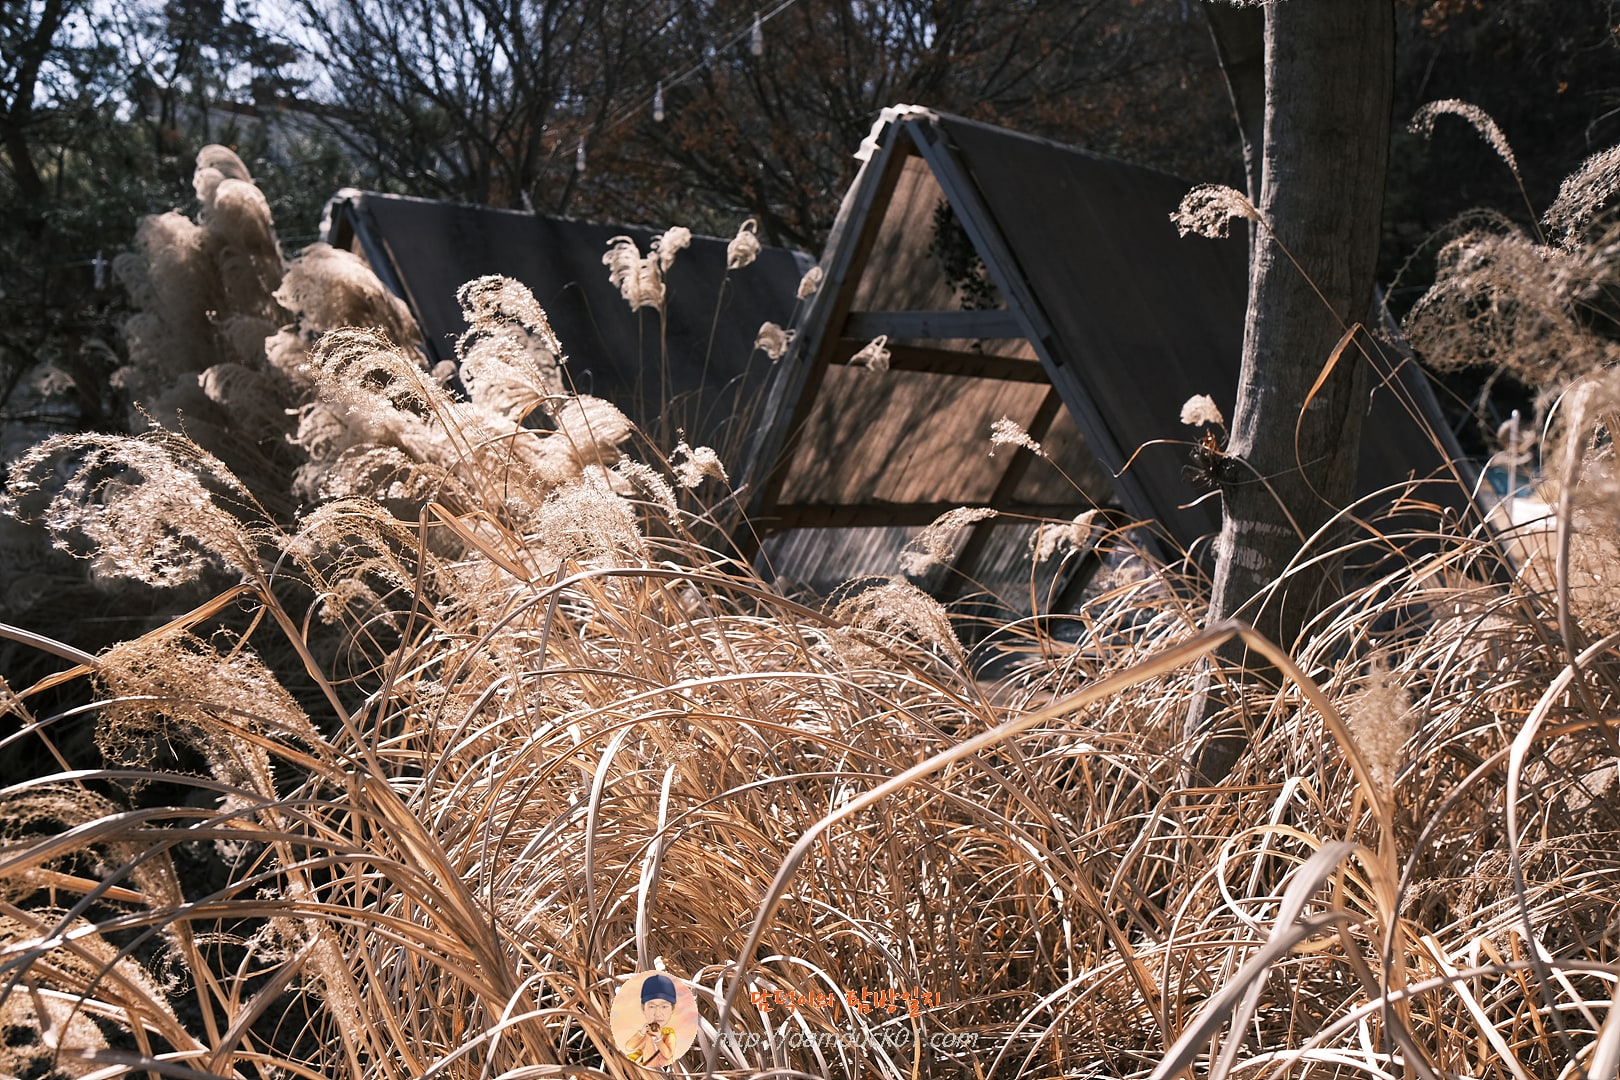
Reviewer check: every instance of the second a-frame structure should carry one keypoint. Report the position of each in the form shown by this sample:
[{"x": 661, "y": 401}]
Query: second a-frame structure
[{"x": 1013, "y": 276}]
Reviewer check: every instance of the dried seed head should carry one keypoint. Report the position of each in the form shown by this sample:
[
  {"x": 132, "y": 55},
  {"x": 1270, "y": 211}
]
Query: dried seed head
[
  {"x": 649, "y": 483},
  {"x": 639, "y": 280},
  {"x": 772, "y": 340},
  {"x": 874, "y": 356},
  {"x": 744, "y": 247},
  {"x": 154, "y": 507},
  {"x": 1582, "y": 194},
  {"x": 693, "y": 464},
  {"x": 809, "y": 283},
  {"x": 1201, "y": 409},
  {"x": 510, "y": 357},
  {"x": 936, "y": 545},
  {"x": 1208, "y": 210},
  {"x": 675, "y": 238},
  {"x": 586, "y": 521},
  {"x": 1423, "y": 124},
  {"x": 594, "y": 429},
  {"x": 1049, "y": 539},
  {"x": 1005, "y": 432},
  {"x": 1382, "y": 720},
  {"x": 1500, "y": 298},
  {"x": 899, "y": 609}
]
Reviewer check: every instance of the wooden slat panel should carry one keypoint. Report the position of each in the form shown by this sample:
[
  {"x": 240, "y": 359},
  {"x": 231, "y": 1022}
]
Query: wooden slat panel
[{"x": 904, "y": 437}]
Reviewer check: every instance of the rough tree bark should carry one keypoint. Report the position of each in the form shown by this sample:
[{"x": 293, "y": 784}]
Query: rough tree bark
[{"x": 1329, "y": 70}]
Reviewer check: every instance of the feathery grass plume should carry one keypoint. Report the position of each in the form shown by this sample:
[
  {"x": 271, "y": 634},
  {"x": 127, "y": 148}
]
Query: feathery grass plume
[
  {"x": 1583, "y": 193},
  {"x": 349, "y": 537},
  {"x": 647, "y": 481},
  {"x": 744, "y": 247},
  {"x": 1422, "y": 123},
  {"x": 379, "y": 391},
  {"x": 220, "y": 340},
  {"x": 1208, "y": 210},
  {"x": 898, "y": 610},
  {"x": 188, "y": 280},
  {"x": 675, "y": 238},
  {"x": 586, "y": 522},
  {"x": 593, "y": 429},
  {"x": 388, "y": 474},
  {"x": 326, "y": 288},
  {"x": 1383, "y": 721},
  {"x": 810, "y": 283},
  {"x": 772, "y": 340},
  {"x": 1501, "y": 299},
  {"x": 255, "y": 399},
  {"x": 155, "y": 507},
  {"x": 1201, "y": 409},
  {"x": 874, "y": 355},
  {"x": 172, "y": 687},
  {"x": 936, "y": 545},
  {"x": 1049, "y": 539},
  {"x": 510, "y": 357},
  {"x": 1007, "y": 432},
  {"x": 639, "y": 279},
  {"x": 692, "y": 464}
]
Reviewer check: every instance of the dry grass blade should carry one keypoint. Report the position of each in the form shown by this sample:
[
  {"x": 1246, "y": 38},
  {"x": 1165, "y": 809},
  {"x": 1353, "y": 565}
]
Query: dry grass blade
[{"x": 1236, "y": 1001}]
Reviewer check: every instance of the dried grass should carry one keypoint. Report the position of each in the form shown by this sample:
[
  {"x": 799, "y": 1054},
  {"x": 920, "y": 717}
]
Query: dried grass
[{"x": 572, "y": 743}]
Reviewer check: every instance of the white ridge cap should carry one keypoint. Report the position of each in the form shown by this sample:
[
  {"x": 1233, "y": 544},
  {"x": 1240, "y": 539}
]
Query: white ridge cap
[{"x": 889, "y": 114}]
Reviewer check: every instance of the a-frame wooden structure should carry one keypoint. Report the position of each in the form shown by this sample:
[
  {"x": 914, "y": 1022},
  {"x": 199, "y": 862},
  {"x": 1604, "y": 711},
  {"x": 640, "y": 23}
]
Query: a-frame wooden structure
[{"x": 1108, "y": 322}]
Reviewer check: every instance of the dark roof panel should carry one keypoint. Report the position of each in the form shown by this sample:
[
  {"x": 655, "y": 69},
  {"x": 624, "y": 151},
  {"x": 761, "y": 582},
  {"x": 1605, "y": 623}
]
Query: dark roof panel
[{"x": 703, "y": 356}]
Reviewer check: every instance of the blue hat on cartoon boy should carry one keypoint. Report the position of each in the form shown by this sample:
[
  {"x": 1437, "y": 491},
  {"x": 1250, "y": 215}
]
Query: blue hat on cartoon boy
[{"x": 658, "y": 988}]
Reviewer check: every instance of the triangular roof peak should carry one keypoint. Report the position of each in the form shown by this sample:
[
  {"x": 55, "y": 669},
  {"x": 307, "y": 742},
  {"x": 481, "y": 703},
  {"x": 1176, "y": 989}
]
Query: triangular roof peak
[{"x": 1092, "y": 321}]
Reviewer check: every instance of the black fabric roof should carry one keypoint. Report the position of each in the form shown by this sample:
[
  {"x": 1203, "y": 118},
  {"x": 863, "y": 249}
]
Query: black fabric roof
[
  {"x": 424, "y": 250},
  {"x": 1148, "y": 317}
]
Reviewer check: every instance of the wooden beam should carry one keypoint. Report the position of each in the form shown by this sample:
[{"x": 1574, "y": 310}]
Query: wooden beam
[
  {"x": 934, "y": 325},
  {"x": 792, "y": 392},
  {"x": 945, "y": 362},
  {"x": 864, "y": 515}
]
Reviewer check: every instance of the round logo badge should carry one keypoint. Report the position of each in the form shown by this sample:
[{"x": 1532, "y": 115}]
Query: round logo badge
[{"x": 654, "y": 1019}]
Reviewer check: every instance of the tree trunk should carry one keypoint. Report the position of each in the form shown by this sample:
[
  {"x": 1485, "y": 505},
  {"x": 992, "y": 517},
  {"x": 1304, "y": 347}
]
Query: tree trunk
[{"x": 1329, "y": 78}]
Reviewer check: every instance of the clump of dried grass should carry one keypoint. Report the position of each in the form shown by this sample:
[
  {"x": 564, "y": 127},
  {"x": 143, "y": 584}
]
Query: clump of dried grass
[
  {"x": 581, "y": 744},
  {"x": 587, "y": 744}
]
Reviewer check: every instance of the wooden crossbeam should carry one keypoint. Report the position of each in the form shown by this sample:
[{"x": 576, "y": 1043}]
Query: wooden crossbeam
[
  {"x": 861, "y": 515},
  {"x": 946, "y": 362},
  {"x": 934, "y": 325}
]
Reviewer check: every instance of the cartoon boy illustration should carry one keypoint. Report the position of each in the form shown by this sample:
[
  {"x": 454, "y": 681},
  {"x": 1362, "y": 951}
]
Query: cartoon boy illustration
[{"x": 653, "y": 1043}]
